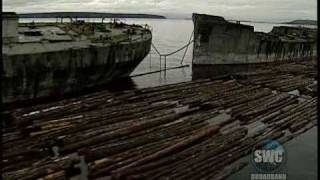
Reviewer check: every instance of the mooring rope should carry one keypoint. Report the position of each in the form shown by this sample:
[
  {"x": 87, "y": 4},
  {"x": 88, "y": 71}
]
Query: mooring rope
[
  {"x": 155, "y": 48},
  {"x": 178, "y": 50},
  {"x": 174, "y": 52},
  {"x": 185, "y": 52}
]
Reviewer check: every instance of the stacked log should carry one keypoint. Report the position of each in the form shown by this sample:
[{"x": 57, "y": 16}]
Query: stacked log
[
  {"x": 193, "y": 130},
  {"x": 48, "y": 168},
  {"x": 285, "y": 77}
]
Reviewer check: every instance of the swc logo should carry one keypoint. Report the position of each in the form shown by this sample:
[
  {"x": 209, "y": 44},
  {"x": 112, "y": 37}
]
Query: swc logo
[{"x": 268, "y": 156}]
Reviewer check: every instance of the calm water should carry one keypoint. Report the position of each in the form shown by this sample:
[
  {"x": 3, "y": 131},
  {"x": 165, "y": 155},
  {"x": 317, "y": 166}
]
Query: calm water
[{"x": 169, "y": 35}]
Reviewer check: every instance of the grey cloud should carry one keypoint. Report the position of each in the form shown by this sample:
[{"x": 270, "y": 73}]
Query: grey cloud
[{"x": 235, "y": 9}]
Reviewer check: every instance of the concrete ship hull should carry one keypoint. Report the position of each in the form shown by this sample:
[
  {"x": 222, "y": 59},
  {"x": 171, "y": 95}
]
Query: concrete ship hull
[
  {"x": 223, "y": 48},
  {"x": 33, "y": 76},
  {"x": 50, "y": 60}
]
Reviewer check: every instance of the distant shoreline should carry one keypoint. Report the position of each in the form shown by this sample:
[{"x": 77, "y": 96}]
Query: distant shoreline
[
  {"x": 295, "y": 22},
  {"x": 303, "y": 22},
  {"x": 88, "y": 15}
]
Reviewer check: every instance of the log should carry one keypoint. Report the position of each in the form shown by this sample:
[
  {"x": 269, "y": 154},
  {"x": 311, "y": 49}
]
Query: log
[{"x": 177, "y": 147}]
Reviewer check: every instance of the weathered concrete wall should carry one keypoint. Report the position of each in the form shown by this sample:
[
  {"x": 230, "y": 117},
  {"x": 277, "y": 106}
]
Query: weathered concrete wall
[
  {"x": 221, "y": 43},
  {"x": 9, "y": 27},
  {"x": 37, "y": 75}
]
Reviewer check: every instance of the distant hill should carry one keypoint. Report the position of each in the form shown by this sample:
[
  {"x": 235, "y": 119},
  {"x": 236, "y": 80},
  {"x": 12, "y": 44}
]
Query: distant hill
[
  {"x": 303, "y": 22},
  {"x": 88, "y": 15}
]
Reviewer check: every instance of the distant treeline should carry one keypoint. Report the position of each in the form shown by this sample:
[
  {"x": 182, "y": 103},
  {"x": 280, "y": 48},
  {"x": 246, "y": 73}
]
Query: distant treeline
[
  {"x": 87, "y": 15},
  {"x": 303, "y": 22}
]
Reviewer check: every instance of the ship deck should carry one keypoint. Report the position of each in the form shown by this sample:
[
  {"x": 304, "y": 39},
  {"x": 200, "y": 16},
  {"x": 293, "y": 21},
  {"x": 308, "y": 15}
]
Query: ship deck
[{"x": 51, "y": 37}]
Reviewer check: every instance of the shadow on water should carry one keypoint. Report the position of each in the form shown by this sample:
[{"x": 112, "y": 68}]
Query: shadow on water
[{"x": 116, "y": 85}]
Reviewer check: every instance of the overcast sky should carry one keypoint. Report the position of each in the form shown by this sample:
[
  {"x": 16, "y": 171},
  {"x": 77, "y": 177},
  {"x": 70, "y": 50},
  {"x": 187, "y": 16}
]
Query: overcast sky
[{"x": 274, "y": 10}]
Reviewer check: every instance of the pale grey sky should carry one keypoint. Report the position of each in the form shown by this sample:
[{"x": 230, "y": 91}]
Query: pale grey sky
[{"x": 276, "y": 10}]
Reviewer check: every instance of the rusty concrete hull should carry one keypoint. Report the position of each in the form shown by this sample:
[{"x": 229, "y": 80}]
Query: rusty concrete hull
[
  {"x": 223, "y": 48},
  {"x": 50, "y": 74}
]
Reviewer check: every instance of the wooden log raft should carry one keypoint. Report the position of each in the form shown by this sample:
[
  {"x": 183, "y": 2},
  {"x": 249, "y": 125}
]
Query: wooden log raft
[{"x": 169, "y": 131}]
